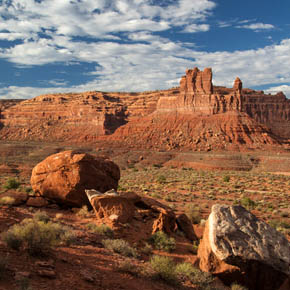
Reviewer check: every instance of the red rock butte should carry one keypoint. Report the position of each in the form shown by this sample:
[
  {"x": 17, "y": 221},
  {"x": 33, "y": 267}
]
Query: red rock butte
[{"x": 194, "y": 116}]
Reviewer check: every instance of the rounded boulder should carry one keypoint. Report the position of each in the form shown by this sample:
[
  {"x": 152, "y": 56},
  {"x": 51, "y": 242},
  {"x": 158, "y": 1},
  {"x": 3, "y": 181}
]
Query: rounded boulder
[{"x": 63, "y": 177}]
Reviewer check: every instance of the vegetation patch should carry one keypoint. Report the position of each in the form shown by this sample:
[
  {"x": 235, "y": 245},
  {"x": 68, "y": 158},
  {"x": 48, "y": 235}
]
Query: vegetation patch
[
  {"x": 101, "y": 230},
  {"x": 37, "y": 236},
  {"x": 83, "y": 212},
  {"x": 248, "y": 203},
  {"x": 7, "y": 200},
  {"x": 163, "y": 268},
  {"x": 185, "y": 271},
  {"x": 120, "y": 246},
  {"x": 193, "y": 213},
  {"x": 163, "y": 242},
  {"x": 11, "y": 183}
]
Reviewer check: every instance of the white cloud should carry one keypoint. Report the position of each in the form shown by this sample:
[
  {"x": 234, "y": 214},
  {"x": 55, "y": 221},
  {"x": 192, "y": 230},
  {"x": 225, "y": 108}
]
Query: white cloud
[
  {"x": 283, "y": 88},
  {"x": 257, "y": 26},
  {"x": 196, "y": 28},
  {"x": 254, "y": 67},
  {"x": 121, "y": 39}
]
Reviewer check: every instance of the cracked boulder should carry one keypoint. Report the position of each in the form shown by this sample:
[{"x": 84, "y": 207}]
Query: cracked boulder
[{"x": 238, "y": 247}]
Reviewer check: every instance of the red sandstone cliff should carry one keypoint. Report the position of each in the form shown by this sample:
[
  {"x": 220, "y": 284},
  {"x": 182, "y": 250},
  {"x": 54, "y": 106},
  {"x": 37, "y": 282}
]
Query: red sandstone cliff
[{"x": 196, "y": 116}]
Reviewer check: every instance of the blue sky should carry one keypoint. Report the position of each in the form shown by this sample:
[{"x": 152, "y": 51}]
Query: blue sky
[{"x": 49, "y": 46}]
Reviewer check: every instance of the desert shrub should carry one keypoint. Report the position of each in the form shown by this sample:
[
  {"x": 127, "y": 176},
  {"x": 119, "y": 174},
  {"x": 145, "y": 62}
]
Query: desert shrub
[
  {"x": 163, "y": 268},
  {"x": 101, "y": 230},
  {"x": 13, "y": 238},
  {"x": 161, "y": 179},
  {"x": 185, "y": 271},
  {"x": 6, "y": 200},
  {"x": 28, "y": 189},
  {"x": 247, "y": 203},
  {"x": 37, "y": 236},
  {"x": 280, "y": 226},
  {"x": 41, "y": 216},
  {"x": 226, "y": 178},
  {"x": 127, "y": 266},
  {"x": 83, "y": 212},
  {"x": 11, "y": 183},
  {"x": 236, "y": 286},
  {"x": 120, "y": 246},
  {"x": 195, "y": 247},
  {"x": 147, "y": 249},
  {"x": 162, "y": 242},
  {"x": 193, "y": 213}
]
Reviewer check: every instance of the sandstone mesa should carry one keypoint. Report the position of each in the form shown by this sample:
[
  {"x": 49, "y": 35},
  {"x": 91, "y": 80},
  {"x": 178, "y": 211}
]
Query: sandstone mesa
[{"x": 195, "y": 116}]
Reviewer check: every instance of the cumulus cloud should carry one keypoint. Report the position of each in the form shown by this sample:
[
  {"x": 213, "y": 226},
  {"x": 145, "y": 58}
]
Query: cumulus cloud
[
  {"x": 127, "y": 41},
  {"x": 283, "y": 88}
]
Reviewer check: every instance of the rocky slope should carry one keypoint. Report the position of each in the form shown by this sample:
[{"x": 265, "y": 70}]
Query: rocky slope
[{"x": 195, "y": 116}]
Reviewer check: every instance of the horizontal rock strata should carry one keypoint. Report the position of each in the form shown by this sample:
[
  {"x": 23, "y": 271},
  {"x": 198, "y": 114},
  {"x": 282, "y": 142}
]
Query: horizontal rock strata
[{"x": 196, "y": 115}]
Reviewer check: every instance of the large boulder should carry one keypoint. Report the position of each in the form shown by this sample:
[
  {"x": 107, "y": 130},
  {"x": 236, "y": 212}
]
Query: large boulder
[
  {"x": 63, "y": 177},
  {"x": 236, "y": 246}
]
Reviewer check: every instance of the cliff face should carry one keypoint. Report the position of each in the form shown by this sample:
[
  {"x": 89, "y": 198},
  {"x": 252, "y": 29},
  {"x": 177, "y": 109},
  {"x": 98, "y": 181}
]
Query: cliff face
[
  {"x": 196, "y": 116},
  {"x": 204, "y": 117},
  {"x": 75, "y": 117},
  {"x": 271, "y": 110},
  {"x": 197, "y": 95}
]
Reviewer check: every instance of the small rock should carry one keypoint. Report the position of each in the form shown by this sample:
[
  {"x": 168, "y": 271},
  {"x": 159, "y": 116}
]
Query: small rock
[
  {"x": 111, "y": 192},
  {"x": 47, "y": 273},
  {"x": 45, "y": 264},
  {"x": 37, "y": 202}
]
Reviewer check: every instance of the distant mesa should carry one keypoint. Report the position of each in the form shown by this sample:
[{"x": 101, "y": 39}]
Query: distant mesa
[{"x": 195, "y": 116}]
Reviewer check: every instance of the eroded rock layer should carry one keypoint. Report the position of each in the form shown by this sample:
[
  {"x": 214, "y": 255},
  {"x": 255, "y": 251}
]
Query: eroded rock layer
[{"x": 196, "y": 116}]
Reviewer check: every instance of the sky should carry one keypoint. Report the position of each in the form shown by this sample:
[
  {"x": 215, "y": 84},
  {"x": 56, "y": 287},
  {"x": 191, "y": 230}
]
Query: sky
[{"x": 54, "y": 46}]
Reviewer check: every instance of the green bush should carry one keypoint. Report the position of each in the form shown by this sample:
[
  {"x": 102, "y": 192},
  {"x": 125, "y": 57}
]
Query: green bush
[
  {"x": 163, "y": 268},
  {"x": 7, "y": 200},
  {"x": 161, "y": 179},
  {"x": 195, "y": 247},
  {"x": 83, "y": 212},
  {"x": 162, "y": 242},
  {"x": 28, "y": 189},
  {"x": 281, "y": 226},
  {"x": 127, "y": 266},
  {"x": 147, "y": 249},
  {"x": 226, "y": 178},
  {"x": 236, "y": 286},
  {"x": 193, "y": 213},
  {"x": 101, "y": 230},
  {"x": 37, "y": 236},
  {"x": 11, "y": 183},
  {"x": 185, "y": 271},
  {"x": 121, "y": 247},
  {"x": 248, "y": 203},
  {"x": 41, "y": 216}
]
